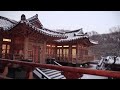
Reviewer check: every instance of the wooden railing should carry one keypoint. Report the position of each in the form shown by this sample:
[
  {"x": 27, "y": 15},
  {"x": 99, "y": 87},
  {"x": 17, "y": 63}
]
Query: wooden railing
[
  {"x": 56, "y": 63},
  {"x": 68, "y": 72}
]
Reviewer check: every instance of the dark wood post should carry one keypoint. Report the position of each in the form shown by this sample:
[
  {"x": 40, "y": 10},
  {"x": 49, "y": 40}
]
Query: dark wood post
[
  {"x": 0, "y": 46},
  {"x": 5, "y": 71},
  {"x": 29, "y": 74},
  {"x": 72, "y": 75},
  {"x": 70, "y": 54}
]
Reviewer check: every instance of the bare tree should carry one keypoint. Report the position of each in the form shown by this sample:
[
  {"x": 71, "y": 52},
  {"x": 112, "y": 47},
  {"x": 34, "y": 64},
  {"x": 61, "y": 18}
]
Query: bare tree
[{"x": 109, "y": 44}]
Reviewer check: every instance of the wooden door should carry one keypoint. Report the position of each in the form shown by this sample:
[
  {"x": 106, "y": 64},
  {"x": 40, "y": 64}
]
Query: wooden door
[
  {"x": 6, "y": 51},
  {"x": 74, "y": 55}
]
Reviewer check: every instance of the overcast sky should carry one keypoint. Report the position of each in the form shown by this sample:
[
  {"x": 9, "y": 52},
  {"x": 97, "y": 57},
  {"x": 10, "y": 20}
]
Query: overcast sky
[{"x": 99, "y": 21}]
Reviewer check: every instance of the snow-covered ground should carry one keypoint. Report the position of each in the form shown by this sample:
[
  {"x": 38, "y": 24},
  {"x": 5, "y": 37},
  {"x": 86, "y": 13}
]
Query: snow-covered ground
[
  {"x": 87, "y": 76},
  {"x": 111, "y": 60}
]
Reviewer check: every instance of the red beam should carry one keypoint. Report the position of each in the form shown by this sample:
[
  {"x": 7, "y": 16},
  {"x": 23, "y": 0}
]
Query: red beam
[{"x": 106, "y": 73}]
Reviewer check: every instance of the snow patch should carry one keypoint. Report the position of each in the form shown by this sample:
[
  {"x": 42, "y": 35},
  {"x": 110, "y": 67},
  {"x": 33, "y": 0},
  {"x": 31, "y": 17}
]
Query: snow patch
[{"x": 5, "y": 24}]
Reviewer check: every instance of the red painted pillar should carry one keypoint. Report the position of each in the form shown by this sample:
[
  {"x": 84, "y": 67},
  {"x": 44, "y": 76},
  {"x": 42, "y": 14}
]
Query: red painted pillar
[{"x": 72, "y": 75}]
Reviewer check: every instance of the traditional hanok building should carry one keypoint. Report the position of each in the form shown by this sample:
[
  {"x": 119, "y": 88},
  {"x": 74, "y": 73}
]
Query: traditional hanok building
[{"x": 28, "y": 39}]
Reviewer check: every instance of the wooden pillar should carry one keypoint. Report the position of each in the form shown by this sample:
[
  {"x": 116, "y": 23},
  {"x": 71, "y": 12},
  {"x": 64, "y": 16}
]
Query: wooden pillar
[
  {"x": 29, "y": 73},
  {"x": 55, "y": 52},
  {"x": 1, "y": 47},
  {"x": 12, "y": 48},
  {"x": 70, "y": 54},
  {"x": 43, "y": 53},
  {"x": 62, "y": 54},
  {"x": 26, "y": 42},
  {"x": 50, "y": 51},
  {"x": 80, "y": 53},
  {"x": 77, "y": 54},
  {"x": 39, "y": 51},
  {"x": 71, "y": 75},
  {"x": 5, "y": 71}
]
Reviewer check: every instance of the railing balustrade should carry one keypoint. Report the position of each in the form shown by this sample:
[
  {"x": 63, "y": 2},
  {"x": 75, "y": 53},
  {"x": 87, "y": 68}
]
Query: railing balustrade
[{"x": 68, "y": 72}]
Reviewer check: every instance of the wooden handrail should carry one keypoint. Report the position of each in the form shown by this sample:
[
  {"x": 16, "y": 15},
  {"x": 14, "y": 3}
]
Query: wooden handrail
[
  {"x": 57, "y": 63},
  {"x": 74, "y": 70}
]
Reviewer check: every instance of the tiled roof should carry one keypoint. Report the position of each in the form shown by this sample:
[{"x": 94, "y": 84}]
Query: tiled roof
[
  {"x": 44, "y": 31},
  {"x": 8, "y": 24},
  {"x": 34, "y": 19},
  {"x": 73, "y": 35}
]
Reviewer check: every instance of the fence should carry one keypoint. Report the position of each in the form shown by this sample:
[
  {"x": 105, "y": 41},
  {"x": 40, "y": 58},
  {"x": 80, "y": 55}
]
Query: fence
[{"x": 68, "y": 72}]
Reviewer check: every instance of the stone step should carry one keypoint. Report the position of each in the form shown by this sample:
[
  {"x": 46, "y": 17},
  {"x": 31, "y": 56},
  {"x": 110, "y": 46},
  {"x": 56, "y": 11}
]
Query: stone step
[
  {"x": 44, "y": 70},
  {"x": 56, "y": 75},
  {"x": 37, "y": 73},
  {"x": 60, "y": 77},
  {"x": 50, "y": 71},
  {"x": 53, "y": 73}
]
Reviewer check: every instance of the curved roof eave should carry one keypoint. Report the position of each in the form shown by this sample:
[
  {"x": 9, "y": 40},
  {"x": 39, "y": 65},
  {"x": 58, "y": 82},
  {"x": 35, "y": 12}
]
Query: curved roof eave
[
  {"x": 93, "y": 42},
  {"x": 39, "y": 30}
]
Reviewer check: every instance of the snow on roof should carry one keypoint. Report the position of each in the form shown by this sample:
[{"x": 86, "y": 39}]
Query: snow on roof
[
  {"x": 32, "y": 18},
  {"x": 44, "y": 31},
  {"x": 94, "y": 42},
  {"x": 71, "y": 38},
  {"x": 80, "y": 32},
  {"x": 6, "y": 23},
  {"x": 69, "y": 31},
  {"x": 73, "y": 35},
  {"x": 52, "y": 31}
]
